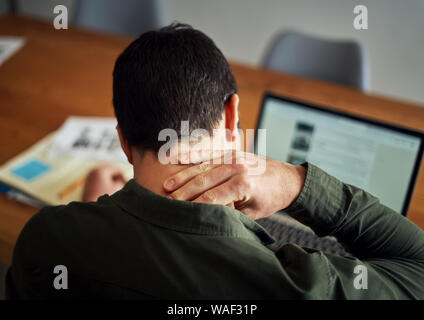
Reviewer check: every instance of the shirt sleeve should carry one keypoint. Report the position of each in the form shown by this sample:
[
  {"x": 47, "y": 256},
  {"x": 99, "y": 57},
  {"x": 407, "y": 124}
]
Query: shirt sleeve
[{"x": 388, "y": 249}]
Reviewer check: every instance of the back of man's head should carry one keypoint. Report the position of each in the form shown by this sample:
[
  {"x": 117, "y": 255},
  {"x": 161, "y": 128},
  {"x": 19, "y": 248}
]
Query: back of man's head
[{"x": 167, "y": 76}]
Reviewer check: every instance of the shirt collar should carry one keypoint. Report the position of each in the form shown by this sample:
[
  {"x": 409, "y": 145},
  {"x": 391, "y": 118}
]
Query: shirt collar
[{"x": 185, "y": 216}]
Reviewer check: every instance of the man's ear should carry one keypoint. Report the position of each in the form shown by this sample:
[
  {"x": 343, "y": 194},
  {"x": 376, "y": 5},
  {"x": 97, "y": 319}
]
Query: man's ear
[
  {"x": 124, "y": 145},
  {"x": 231, "y": 115}
]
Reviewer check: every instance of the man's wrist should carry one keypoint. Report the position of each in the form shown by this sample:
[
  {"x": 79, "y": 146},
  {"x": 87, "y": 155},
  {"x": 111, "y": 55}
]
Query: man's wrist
[
  {"x": 293, "y": 181},
  {"x": 321, "y": 203},
  {"x": 298, "y": 181}
]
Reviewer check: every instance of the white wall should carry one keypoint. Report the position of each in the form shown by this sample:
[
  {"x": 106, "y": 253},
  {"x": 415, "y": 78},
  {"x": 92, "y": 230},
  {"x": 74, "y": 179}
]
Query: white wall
[
  {"x": 394, "y": 41},
  {"x": 243, "y": 28},
  {"x": 44, "y": 8}
]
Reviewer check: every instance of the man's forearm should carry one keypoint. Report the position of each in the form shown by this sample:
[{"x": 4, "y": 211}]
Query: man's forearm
[
  {"x": 385, "y": 241},
  {"x": 356, "y": 218}
]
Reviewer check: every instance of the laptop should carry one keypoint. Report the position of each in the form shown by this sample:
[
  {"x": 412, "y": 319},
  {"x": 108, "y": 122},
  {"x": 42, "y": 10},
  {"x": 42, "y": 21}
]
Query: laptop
[{"x": 378, "y": 157}]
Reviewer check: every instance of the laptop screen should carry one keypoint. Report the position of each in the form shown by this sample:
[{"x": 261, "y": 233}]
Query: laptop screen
[{"x": 379, "y": 158}]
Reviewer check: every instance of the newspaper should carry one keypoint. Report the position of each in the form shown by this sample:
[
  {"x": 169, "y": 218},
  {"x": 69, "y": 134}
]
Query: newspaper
[
  {"x": 89, "y": 138},
  {"x": 53, "y": 170}
]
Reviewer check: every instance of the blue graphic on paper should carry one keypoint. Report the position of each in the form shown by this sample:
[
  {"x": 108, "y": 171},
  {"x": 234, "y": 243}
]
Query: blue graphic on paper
[{"x": 31, "y": 170}]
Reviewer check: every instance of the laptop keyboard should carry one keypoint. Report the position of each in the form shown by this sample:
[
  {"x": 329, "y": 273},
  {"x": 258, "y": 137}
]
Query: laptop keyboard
[{"x": 287, "y": 230}]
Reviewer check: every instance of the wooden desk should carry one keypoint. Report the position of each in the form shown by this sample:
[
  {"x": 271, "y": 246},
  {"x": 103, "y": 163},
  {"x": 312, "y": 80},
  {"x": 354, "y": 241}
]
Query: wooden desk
[{"x": 59, "y": 73}]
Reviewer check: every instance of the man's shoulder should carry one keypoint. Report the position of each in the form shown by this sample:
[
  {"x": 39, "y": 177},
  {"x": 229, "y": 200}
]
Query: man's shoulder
[
  {"x": 74, "y": 211},
  {"x": 56, "y": 225}
]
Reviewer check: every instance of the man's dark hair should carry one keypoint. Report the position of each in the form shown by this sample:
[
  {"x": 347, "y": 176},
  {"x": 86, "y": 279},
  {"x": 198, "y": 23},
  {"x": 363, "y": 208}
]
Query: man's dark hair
[{"x": 167, "y": 76}]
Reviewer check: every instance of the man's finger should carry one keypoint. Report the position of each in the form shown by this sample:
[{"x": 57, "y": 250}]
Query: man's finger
[
  {"x": 182, "y": 177},
  {"x": 227, "y": 192},
  {"x": 179, "y": 179},
  {"x": 205, "y": 181},
  {"x": 119, "y": 178}
]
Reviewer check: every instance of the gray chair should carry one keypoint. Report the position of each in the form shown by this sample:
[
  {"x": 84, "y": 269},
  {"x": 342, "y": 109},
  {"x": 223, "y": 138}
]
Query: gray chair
[
  {"x": 4, "y": 7},
  {"x": 128, "y": 17},
  {"x": 342, "y": 62}
]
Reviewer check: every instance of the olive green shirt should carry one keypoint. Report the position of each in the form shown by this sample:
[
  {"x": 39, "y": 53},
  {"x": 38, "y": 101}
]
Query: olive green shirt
[{"x": 137, "y": 244}]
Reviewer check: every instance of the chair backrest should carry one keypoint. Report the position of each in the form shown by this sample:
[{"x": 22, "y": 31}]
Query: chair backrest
[
  {"x": 128, "y": 17},
  {"x": 342, "y": 62},
  {"x": 4, "y": 7}
]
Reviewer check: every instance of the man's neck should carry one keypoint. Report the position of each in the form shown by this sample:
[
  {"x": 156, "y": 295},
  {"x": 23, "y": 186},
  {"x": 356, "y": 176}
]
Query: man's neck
[{"x": 151, "y": 174}]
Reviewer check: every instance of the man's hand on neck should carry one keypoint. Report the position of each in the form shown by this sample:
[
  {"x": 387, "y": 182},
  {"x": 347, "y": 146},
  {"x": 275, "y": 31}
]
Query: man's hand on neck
[
  {"x": 256, "y": 195},
  {"x": 151, "y": 174}
]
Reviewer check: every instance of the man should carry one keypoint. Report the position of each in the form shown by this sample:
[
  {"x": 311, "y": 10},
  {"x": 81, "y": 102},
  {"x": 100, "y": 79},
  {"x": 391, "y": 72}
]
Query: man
[{"x": 158, "y": 237}]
